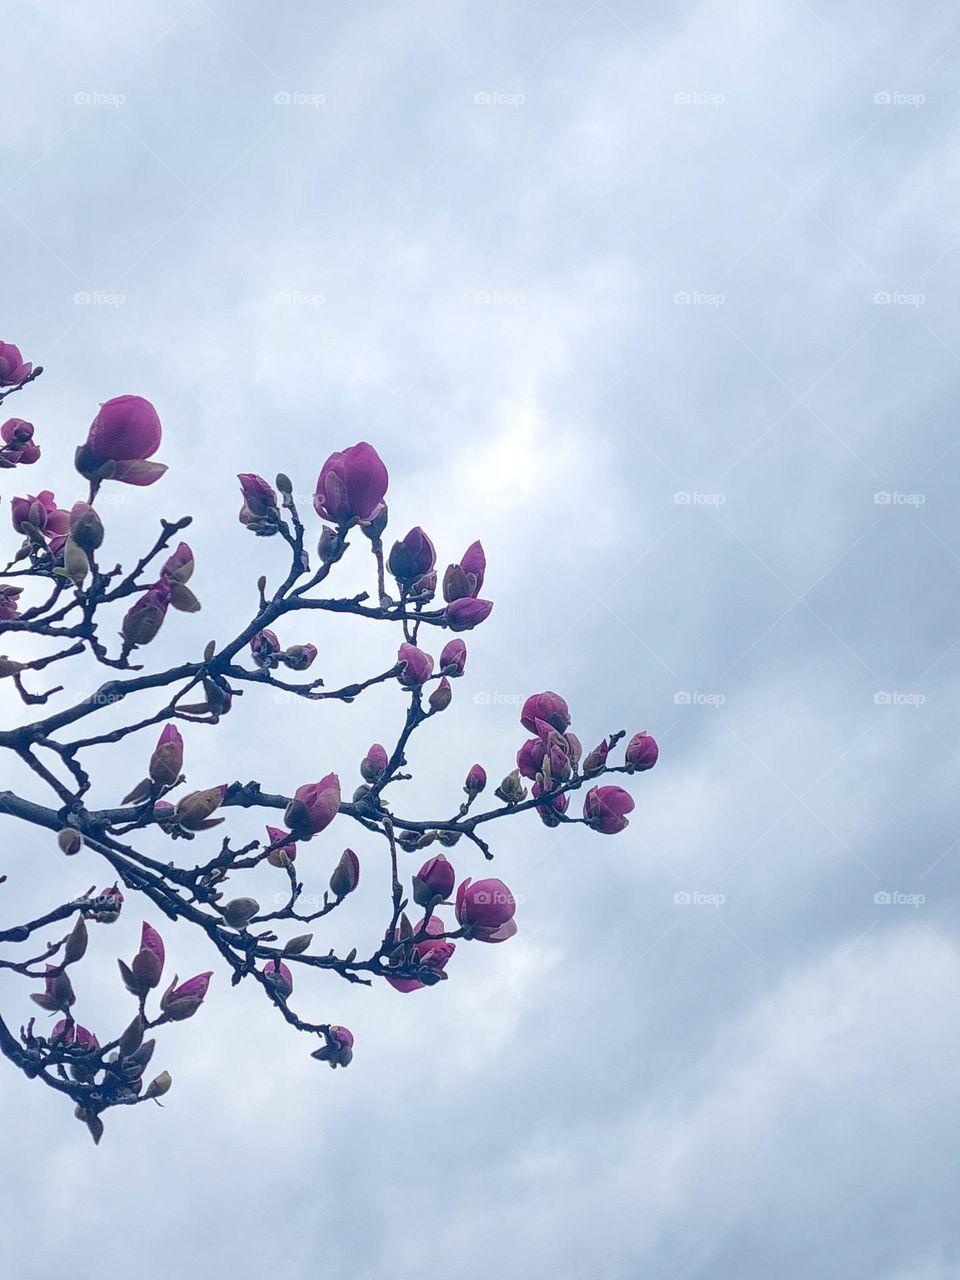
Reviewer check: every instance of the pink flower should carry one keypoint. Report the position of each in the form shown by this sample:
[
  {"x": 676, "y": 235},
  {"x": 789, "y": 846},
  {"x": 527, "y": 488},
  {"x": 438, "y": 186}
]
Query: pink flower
[
  {"x": 417, "y": 666},
  {"x": 466, "y": 578},
  {"x": 453, "y": 658},
  {"x": 596, "y": 760},
  {"x": 605, "y": 809},
  {"x": 279, "y": 977},
  {"x": 143, "y": 620},
  {"x": 642, "y": 752},
  {"x": 259, "y": 497},
  {"x": 374, "y": 764},
  {"x": 12, "y": 367},
  {"x": 167, "y": 759},
  {"x": 430, "y": 955},
  {"x": 549, "y": 707},
  {"x": 434, "y": 881},
  {"x": 351, "y": 485},
  {"x": 530, "y": 757},
  {"x": 476, "y": 780},
  {"x": 265, "y": 648},
  {"x": 72, "y": 1035},
  {"x": 486, "y": 908},
  {"x": 338, "y": 1050},
  {"x": 147, "y": 965},
  {"x": 9, "y": 603},
  {"x": 124, "y": 433},
  {"x": 180, "y": 565},
  {"x": 313, "y": 807},
  {"x": 412, "y": 557},
  {"x": 282, "y": 843},
  {"x": 183, "y": 1001},
  {"x": 17, "y": 437},
  {"x": 467, "y": 613}
]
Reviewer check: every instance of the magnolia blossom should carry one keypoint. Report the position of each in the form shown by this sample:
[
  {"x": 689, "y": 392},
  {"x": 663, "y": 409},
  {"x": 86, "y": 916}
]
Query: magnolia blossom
[
  {"x": 486, "y": 908},
  {"x": 314, "y": 807},
  {"x": 123, "y": 435},
  {"x": 417, "y": 666},
  {"x": 605, "y": 809},
  {"x": 351, "y": 485},
  {"x": 13, "y": 369},
  {"x": 549, "y": 707}
]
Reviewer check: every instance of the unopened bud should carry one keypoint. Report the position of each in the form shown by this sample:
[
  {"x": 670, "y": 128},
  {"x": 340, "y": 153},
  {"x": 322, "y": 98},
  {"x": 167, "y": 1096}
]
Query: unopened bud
[
  {"x": 159, "y": 1085},
  {"x": 238, "y": 912},
  {"x": 69, "y": 840},
  {"x": 439, "y": 700}
]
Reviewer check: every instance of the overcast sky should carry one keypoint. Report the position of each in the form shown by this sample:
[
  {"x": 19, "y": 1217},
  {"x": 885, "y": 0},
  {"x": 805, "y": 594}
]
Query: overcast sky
[{"x": 659, "y": 301}]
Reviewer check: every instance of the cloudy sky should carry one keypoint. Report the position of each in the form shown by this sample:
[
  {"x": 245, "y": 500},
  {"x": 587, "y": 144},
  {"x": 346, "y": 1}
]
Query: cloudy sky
[{"x": 660, "y": 302}]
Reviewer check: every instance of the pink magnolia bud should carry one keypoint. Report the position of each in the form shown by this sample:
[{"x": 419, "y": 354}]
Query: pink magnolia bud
[
  {"x": 265, "y": 648},
  {"x": 73, "y": 1035},
  {"x": 145, "y": 618},
  {"x": 147, "y": 965},
  {"x": 486, "y": 908},
  {"x": 259, "y": 498},
  {"x": 596, "y": 760},
  {"x": 430, "y": 955},
  {"x": 434, "y": 881},
  {"x": 605, "y": 809},
  {"x": 417, "y": 666},
  {"x": 351, "y": 485},
  {"x": 18, "y": 443},
  {"x": 473, "y": 562},
  {"x": 180, "y": 565},
  {"x": 530, "y": 757},
  {"x": 338, "y": 1050},
  {"x": 9, "y": 603},
  {"x": 122, "y": 436},
  {"x": 412, "y": 557},
  {"x": 346, "y": 874},
  {"x": 183, "y": 1001},
  {"x": 167, "y": 759},
  {"x": 476, "y": 780},
  {"x": 642, "y": 752},
  {"x": 13, "y": 370},
  {"x": 107, "y": 905},
  {"x": 453, "y": 658},
  {"x": 439, "y": 700},
  {"x": 34, "y": 511},
  {"x": 283, "y": 845},
  {"x": 313, "y": 807},
  {"x": 374, "y": 764},
  {"x": 467, "y": 613},
  {"x": 279, "y": 978},
  {"x": 549, "y": 707},
  {"x": 556, "y": 805},
  {"x": 299, "y": 656},
  {"x": 58, "y": 995}
]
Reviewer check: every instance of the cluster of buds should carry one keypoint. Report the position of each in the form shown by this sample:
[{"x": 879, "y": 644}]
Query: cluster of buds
[
  {"x": 268, "y": 653},
  {"x": 260, "y": 512}
]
